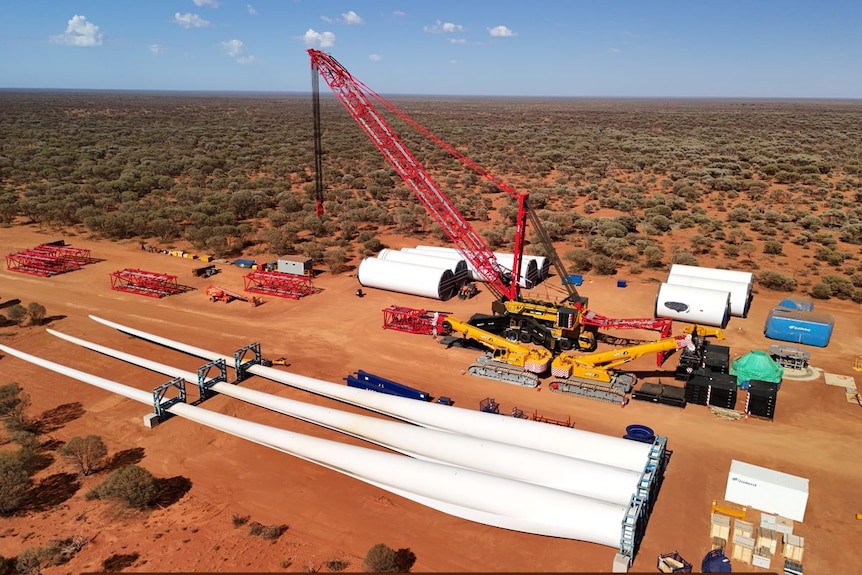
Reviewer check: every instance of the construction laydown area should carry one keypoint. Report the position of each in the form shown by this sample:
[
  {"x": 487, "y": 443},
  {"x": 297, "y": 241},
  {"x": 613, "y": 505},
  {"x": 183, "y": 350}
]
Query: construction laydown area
[
  {"x": 682, "y": 516},
  {"x": 660, "y": 439}
]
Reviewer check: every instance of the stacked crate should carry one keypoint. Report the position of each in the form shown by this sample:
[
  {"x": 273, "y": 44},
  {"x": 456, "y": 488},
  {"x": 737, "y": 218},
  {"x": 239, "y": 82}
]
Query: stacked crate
[
  {"x": 761, "y": 399},
  {"x": 719, "y": 530},
  {"x": 743, "y": 541}
]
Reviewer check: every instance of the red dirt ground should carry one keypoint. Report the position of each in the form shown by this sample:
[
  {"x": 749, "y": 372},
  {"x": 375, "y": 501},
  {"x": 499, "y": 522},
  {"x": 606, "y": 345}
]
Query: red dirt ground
[{"x": 815, "y": 433}]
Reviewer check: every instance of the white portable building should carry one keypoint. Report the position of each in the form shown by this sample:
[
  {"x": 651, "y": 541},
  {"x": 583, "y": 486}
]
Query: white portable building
[{"x": 767, "y": 490}]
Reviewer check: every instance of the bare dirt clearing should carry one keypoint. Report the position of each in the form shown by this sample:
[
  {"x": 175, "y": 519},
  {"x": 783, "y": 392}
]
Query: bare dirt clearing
[{"x": 814, "y": 434}]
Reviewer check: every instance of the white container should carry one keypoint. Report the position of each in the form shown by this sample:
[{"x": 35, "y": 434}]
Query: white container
[
  {"x": 543, "y": 264},
  {"x": 693, "y": 305},
  {"x": 740, "y": 293},
  {"x": 458, "y": 267},
  {"x": 407, "y": 278},
  {"x": 767, "y": 490},
  {"x": 712, "y": 273}
]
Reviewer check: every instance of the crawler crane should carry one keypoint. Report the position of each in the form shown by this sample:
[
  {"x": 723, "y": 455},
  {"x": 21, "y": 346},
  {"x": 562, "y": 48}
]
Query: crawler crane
[
  {"x": 507, "y": 361},
  {"x": 594, "y": 375},
  {"x": 557, "y": 326}
]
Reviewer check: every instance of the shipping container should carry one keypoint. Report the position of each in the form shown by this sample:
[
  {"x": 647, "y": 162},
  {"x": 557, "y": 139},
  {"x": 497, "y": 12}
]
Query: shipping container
[
  {"x": 244, "y": 263},
  {"x": 807, "y": 327},
  {"x": 364, "y": 380},
  {"x": 767, "y": 490}
]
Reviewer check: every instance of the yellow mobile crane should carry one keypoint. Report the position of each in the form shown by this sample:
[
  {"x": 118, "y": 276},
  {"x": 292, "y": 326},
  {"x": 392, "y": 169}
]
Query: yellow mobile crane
[
  {"x": 594, "y": 375},
  {"x": 507, "y": 361}
]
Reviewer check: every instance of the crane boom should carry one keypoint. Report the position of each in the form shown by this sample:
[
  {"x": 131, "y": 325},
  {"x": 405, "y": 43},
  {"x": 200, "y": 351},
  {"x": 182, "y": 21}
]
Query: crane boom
[{"x": 354, "y": 96}]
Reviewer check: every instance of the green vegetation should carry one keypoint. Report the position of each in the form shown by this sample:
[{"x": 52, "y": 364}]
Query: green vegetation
[
  {"x": 87, "y": 453},
  {"x": 383, "y": 559},
  {"x": 718, "y": 180},
  {"x": 130, "y": 484}
]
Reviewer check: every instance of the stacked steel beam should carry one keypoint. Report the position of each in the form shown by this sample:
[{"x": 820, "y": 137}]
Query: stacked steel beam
[
  {"x": 279, "y": 284},
  {"x": 150, "y": 284}
]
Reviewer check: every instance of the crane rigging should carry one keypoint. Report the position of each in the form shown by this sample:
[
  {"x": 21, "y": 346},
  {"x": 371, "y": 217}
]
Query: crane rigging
[
  {"x": 559, "y": 327},
  {"x": 355, "y": 96}
]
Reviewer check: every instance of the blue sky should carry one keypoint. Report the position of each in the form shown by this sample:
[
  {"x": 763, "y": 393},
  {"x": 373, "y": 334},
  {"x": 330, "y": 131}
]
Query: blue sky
[{"x": 568, "y": 48}]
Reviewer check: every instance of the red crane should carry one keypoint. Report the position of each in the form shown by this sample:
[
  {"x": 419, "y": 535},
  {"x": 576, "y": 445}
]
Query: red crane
[{"x": 355, "y": 96}]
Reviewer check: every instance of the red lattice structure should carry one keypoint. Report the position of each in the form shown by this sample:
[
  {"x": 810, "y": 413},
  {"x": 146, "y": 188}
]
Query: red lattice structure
[
  {"x": 38, "y": 263},
  {"x": 80, "y": 255},
  {"x": 411, "y": 320},
  {"x": 662, "y": 325},
  {"x": 279, "y": 284},
  {"x": 150, "y": 284}
]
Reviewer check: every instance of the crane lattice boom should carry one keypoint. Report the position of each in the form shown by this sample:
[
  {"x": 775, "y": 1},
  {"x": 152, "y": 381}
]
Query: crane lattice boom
[{"x": 354, "y": 95}]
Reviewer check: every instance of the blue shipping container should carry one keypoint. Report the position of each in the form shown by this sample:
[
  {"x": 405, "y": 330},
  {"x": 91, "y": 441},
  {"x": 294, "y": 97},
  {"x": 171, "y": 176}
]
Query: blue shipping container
[
  {"x": 243, "y": 263},
  {"x": 796, "y": 303},
  {"x": 799, "y": 326},
  {"x": 364, "y": 380}
]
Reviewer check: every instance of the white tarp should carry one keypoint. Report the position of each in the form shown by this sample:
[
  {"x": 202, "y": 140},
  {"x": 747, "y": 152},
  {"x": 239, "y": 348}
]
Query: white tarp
[{"x": 767, "y": 490}]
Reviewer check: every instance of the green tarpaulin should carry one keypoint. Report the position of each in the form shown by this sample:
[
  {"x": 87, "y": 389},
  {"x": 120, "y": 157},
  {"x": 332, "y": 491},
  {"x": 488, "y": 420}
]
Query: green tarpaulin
[{"x": 756, "y": 365}]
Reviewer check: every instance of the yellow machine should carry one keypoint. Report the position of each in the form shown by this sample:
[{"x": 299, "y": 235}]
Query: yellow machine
[
  {"x": 507, "y": 361},
  {"x": 704, "y": 331},
  {"x": 594, "y": 375},
  {"x": 546, "y": 324}
]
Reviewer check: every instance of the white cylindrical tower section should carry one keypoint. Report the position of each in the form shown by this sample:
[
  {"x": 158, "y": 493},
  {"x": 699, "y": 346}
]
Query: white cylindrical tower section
[
  {"x": 529, "y": 266},
  {"x": 712, "y": 273},
  {"x": 693, "y": 304},
  {"x": 458, "y": 267},
  {"x": 407, "y": 278},
  {"x": 740, "y": 293}
]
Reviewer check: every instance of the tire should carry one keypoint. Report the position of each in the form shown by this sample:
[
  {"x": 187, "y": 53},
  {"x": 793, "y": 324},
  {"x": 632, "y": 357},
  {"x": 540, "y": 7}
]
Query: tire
[
  {"x": 524, "y": 337},
  {"x": 565, "y": 344}
]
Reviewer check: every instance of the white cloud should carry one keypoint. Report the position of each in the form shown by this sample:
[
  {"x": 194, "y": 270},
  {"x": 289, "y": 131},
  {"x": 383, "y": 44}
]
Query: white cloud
[
  {"x": 375, "y": 57},
  {"x": 444, "y": 28},
  {"x": 251, "y": 9},
  {"x": 189, "y": 20},
  {"x": 235, "y": 49},
  {"x": 327, "y": 19},
  {"x": 501, "y": 32},
  {"x": 399, "y": 13},
  {"x": 615, "y": 50},
  {"x": 156, "y": 49},
  {"x": 352, "y": 18},
  {"x": 457, "y": 41},
  {"x": 79, "y": 32},
  {"x": 319, "y": 39},
  {"x": 206, "y": 3}
]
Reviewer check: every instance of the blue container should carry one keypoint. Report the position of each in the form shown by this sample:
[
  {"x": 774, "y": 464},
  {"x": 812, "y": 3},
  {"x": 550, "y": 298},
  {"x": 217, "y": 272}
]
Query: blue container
[
  {"x": 796, "y": 303},
  {"x": 364, "y": 380},
  {"x": 621, "y": 283},
  {"x": 243, "y": 263},
  {"x": 574, "y": 279},
  {"x": 797, "y": 326},
  {"x": 641, "y": 433}
]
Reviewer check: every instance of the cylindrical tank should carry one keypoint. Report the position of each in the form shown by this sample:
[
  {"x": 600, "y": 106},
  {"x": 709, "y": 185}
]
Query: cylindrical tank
[
  {"x": 407, "y": 278},
  {"x": 543, "y": 264},
  {"x": 458, "y": 267},
  {"x": 712, "y": 273},
  {"x": 529, "y": 268},
  {"x": 693, "y": 304},
  {"x": 472, "y": 274},
  {"x": 740, "y": 293}
]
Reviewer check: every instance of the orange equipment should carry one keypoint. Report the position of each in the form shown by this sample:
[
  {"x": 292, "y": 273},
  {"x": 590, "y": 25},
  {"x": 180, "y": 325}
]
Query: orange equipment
[{"x": 217, "y": 293}]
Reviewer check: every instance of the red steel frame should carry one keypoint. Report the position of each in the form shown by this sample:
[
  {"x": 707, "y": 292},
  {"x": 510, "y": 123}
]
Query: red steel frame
[
  {"x": 411, "y": 320},
  {"x": 150, "y": 284},
  {"x": 80, "y": 255},
  {"x": 40, "y": 264},
  {"x": 279, "y": 284}
]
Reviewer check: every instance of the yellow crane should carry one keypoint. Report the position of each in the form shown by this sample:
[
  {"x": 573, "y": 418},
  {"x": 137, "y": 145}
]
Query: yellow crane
[{"x": 507, "y": 361}]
